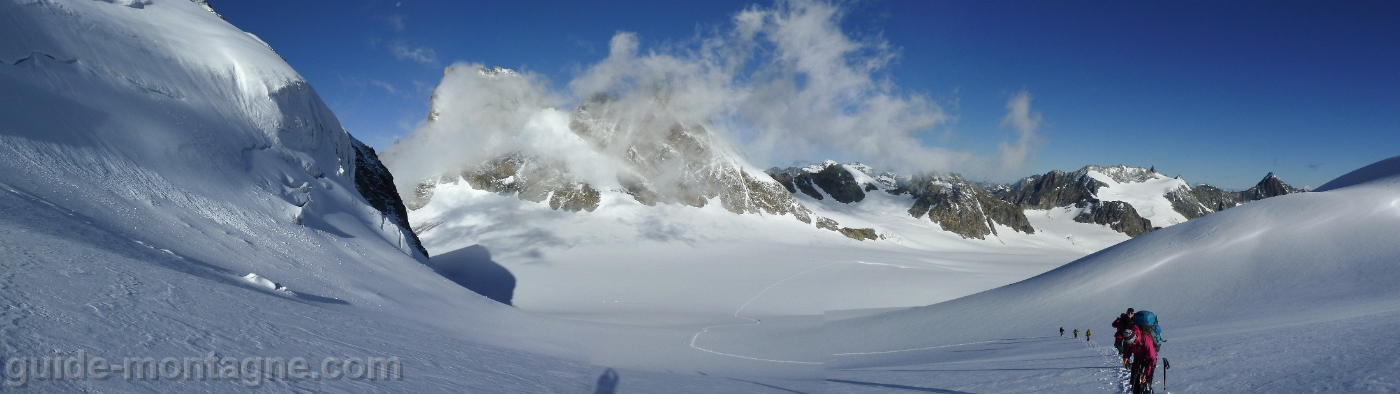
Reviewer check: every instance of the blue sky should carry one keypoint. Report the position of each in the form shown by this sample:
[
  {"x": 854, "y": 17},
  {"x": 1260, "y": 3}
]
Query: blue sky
[{"x": 1218, "y": 92}]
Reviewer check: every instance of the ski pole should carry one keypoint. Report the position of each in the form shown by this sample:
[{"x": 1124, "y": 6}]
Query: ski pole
[{"x": 1165, "y": 366}]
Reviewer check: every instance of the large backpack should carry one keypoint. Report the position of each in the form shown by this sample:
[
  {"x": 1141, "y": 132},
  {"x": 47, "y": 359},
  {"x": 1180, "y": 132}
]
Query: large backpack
[{"x": 1148, "y": 318}]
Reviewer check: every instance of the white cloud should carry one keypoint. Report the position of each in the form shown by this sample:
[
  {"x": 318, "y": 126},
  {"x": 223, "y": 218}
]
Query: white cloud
[
  {"x": 781, "y": 84},
  {"x": 421, "y": 55},
  {"x": 1019, "y": 116},
  {"x": 786, "y": 83}
]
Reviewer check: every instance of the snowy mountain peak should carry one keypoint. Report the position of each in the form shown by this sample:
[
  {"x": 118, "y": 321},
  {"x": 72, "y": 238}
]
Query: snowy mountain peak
[
  {"x": 862, "y": 168},
  {"x": 205, "y": 4},
  {"x": 610, "y": 149},
  {"x": 496, "y": 72},
  {"x": 1146, "y": 194},
  {"x": 955, "y": 204},
  {"x": 1384, "y": 169},
  {"x": 152, "y": 157},
  {"x": 1124, "y": 174}
]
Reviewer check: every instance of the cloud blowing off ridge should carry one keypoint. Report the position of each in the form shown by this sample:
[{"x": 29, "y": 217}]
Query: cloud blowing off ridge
[{"x": 779, "y": 84}]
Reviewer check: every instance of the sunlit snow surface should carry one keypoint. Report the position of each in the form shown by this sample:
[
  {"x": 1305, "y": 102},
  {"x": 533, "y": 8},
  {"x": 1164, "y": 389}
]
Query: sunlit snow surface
[
  {"x": 1147, "y": 196},
  {"x": 1275, "y": 296},
  {"x": 703, "y": 290},
  {"x": 169, "y": 187},
  {"x": 152, "y": 156},
  {"x": 631, "y": 263}
]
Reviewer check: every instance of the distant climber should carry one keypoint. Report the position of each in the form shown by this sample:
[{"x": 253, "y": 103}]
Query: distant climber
[
  {"x": 1087, "y": 333},
  {"x": 1062, "y": 331},
  {"x": 1076, "y": 333}
]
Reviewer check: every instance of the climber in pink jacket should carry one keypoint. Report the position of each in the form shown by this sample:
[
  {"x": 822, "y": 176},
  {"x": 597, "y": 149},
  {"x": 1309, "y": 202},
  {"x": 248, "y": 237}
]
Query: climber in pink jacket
[{"x": 1144, "y": 351}]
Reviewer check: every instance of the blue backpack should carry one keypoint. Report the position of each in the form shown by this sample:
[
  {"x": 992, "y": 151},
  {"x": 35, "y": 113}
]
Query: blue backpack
[{"x": 1148, "y": 318}]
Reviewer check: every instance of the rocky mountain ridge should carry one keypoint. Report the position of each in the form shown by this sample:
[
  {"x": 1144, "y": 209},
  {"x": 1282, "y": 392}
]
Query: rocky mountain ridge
[
  {"x": 374, "y": 182},
  {"x": 971, "y": 209},
  {"x": 655, "y": 154},
  {"x": 1203, "y": 199},
  {"x": 957, "y": 205}
]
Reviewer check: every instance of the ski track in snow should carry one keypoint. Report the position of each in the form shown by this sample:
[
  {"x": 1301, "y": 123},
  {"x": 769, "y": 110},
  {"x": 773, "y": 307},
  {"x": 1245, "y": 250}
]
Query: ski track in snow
[
  {"x": 753, "y": 322},
  {"x": 1120, "y": 376},
  {"x": 938, "y": 347},
  {"x": 756, "y": 322}
]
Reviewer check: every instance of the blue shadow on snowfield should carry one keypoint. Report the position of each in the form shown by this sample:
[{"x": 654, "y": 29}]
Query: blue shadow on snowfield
[{"x": 472, "y": 268}]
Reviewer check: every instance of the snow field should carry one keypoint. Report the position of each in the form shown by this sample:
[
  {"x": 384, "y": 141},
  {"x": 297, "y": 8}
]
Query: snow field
[
  {"x": 159, "y": 168},
  {"x": 1271, "y": 292}
]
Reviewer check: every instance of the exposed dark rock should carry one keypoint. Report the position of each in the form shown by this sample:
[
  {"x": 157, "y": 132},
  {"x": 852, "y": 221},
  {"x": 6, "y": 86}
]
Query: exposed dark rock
[
  {"x": 1202, "y": 200},
  {"x": 421, "y": 195},
  {"x": 376, "y": 185},
  {"x": 1054, "y": 189},
  {"x": 1118, "y": 215},
  {"x": 205, "y": 4},
  {"x": 636, "y": 187},
  {"x": 837, "y": 182},
  {"x": 515, "y": 174},
  {"x": 832, "y": 179},
  {"x": 1061, "y": 189},
  {"x": 859, "y": 234},
  {"x": 575, "y": 197},
  {"x": 997, "y": 189},
  {"x": 1123, "y": 174},
  {"x": 1205, "y": 199},
  {"x": 673, "y": 162},
  {"x": 667, "y": 161},
  {"x": 1270, "y": 186},
  {"x": 804, "y": 183},
  {"x": 1214, "y": 198},
  {"x": 782, "y": 178},
  {"x": 962, "y": 207},
  {"x": 1058, "y": 189},
  {"x": 957, "y": 205}
]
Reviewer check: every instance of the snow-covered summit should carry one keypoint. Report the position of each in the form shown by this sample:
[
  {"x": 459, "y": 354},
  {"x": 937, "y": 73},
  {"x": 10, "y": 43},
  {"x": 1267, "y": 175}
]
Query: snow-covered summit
[
  {"x": 1381, "y": 172},
  {"x": 1131, "y": 200},
  {"x": 496, "y": 72},
  {"x": 152, "y": 156},
  {"x": 955, "y": 204},
  {"x": 641, "y": 149},
  {"x": 1147, "y": 199},
  {"x": 1124, "y": 174}
]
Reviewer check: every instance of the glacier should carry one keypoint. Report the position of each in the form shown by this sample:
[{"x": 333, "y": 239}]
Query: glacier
[{"x": 171, "y": 188}]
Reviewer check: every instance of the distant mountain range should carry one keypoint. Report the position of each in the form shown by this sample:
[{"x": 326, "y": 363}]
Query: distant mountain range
[
  {"x": 1102, "y": 195},
  {"x": 651, "y": 153}
]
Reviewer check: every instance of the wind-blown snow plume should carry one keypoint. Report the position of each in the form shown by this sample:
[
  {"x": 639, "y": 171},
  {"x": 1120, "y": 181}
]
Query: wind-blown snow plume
[{"x": 778, "y": 84}]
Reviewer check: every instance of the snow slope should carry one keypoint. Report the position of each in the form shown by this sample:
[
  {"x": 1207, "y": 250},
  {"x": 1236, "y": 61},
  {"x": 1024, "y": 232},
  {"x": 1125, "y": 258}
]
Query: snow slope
[
  {"x": 163, "y": 174},
  {"x": 169, "y": 187},
  {"x": 677, "y": 288},
  {"x": 1278, "y": 294}
]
